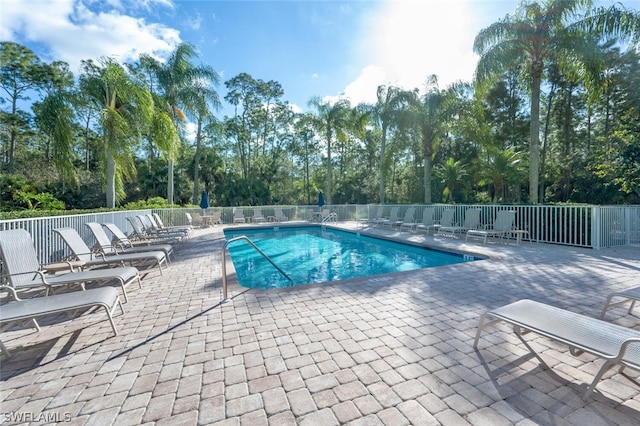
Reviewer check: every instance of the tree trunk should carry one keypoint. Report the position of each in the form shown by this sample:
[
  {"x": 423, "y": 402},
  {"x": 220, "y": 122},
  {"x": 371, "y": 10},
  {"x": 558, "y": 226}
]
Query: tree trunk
[
  {"x": 170, "y": 183},
  {"x": 196, "y": 163},
  {"x": 427, "y": 179},
  {"x": 329, "y": 172},
  {"x": 534, "y": 148},
  {"x": 383, "y": 147},
  {"x": 111, "y": 180}
]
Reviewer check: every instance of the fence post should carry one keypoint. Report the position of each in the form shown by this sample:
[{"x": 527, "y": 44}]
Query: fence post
[{"x": 595, "y": 227}]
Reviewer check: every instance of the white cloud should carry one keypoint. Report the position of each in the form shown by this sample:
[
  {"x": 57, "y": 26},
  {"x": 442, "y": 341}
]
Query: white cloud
[
  {"x": 70, "y": 30},
  {"x": 363, "y": 88},
  {"x": 404, "y": 42}
]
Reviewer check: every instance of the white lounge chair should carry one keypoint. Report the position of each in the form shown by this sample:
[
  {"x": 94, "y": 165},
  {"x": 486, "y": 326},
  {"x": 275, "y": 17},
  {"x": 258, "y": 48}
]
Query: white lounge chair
[
  {"x": 23, "y": 271},
  {"x": 257, "y": 216},
  {"x": 471, "y": 221},
  {"x": 180, "y": 228},
  {"x": 501, "y": 227},
  {"x": 238, "y": 216},
  {"x": 280, "y": 217},
  {"x": 393, "y": 218},
  {"x": 379, "y": 218},
  {"x": 150, "y": 224},
  {"x": 428, "y": 223},
  {"x": 409, "y": 220},
  {"x": 105, "y": 245},
  {"x": 446, "y": 220},
  {"x": 615, "y": 344},
  {"x": 91, "y": 258},
  {"x": 120, "y": 239},
  {"x": 29, "y": 309},
  {"x": 631, "y": 295},
  {"x": 144, "y": 229}
]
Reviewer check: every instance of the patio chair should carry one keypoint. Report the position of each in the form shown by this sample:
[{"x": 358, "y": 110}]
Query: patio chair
[
  {"x": 377, "y": 218},
  {"x": 141, "y": 235},
  {"x": 149, "y": 221},
  {"x": 617, "y": 345},
  {"x": 120, "y": 239},
  {"x": 108, "y": 258},
  {"x": 238, "y": 216},
  {"x": 104, "y": 244},
  {"x": 501, "y": 226},
  {"x": 280, "y": 217},
  {"x": 471, "y": 221},
  {"x": 257, "y": 216},
  {"x": 409, "y": 220},
  {"x": 393, "y": 218},
  {"x": 150, "y": 230},
  {"x": 629, "y": 295},
  {"x": 23, "y": 270},
  {"x": 428, "y": 223},
  {"x": 19, "y": 310},
  {"x": 182, "y": 228},
  {"x": 446, "y": 221}
]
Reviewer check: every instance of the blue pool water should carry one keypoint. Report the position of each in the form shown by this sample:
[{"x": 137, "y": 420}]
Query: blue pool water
[{"x": 312, "y": 254}]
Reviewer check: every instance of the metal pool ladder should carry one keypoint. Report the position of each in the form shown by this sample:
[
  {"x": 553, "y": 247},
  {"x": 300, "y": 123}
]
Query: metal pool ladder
[{"x": 224, "y": 262}]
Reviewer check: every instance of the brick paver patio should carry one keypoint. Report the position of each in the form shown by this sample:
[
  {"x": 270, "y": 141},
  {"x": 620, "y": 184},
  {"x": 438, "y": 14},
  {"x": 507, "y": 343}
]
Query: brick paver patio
[{"x": 386, "y": 350}]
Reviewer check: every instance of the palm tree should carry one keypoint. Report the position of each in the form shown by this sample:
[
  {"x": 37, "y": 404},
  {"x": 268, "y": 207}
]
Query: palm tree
[
  {"x": 330, "y": 121},
  {"x": 386, "y": 111},
  {"x": 184, "y": 87},
  {"x": 125, "y": 110},
  {"x": 453, "y": 174},
  {"x": 501, "y": 168},
  {"x": 538, "y": 33},
  {"x": 430, "y": 113}
]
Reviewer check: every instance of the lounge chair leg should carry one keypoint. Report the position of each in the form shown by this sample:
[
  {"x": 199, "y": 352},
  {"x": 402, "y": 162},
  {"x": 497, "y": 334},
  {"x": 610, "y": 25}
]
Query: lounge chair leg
[
  {"x": 606, "y": 306},
  {"x": 633, "y": 304},
  {"x": 481, "y": 326},
  {"x": 607, "y": 365},
  {"x": 3, "y": 349}
]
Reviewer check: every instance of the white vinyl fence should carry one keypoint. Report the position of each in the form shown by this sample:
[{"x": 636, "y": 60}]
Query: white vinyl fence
[{"x": 581, "y": 226}]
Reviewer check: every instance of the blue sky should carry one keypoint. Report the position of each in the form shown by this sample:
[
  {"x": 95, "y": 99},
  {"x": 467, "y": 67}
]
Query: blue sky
[{"x": 313, "y": 48}]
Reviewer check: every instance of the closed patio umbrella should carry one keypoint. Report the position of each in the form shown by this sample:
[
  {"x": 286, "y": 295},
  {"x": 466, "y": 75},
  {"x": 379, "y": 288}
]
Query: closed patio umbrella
[
  {"x": 204, "y": 201},
  {"x": 320, "y": 199}
]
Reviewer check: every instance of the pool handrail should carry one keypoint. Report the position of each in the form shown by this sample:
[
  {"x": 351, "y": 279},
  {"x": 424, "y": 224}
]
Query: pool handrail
[{"x": 224, "y": 262}]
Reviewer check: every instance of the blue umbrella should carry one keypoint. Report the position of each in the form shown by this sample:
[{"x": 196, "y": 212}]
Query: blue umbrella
[
  {"x": 320, "y": 200},
  {"x": 204, "y": 201}
]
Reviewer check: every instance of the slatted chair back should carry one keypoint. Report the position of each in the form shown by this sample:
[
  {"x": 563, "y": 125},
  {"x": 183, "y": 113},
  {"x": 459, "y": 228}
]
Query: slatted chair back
[
  {"x": 78, "y": 247},
  {"x": 102, "y": 239},
  {"x": 471, "y": 219},
  {"x": 19, "y": 257},
  {"x": 427, "y": 216},
  {"x": 447, "y": 217}
]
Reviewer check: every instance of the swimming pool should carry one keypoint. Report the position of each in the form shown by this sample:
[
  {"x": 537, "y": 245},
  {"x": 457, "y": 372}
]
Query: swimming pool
[{"x": 315, "y": 254}]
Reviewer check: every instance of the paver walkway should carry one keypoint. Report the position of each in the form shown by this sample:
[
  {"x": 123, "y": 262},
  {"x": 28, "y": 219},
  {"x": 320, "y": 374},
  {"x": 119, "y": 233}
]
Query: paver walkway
[{"x": 388, "y": 350}]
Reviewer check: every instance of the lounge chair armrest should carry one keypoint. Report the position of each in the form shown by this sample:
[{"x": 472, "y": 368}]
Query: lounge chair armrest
[
  {"x": 12, "y": 291},
  {"x": 34, "y": 274},
  {"x": 625, "y": 345}
]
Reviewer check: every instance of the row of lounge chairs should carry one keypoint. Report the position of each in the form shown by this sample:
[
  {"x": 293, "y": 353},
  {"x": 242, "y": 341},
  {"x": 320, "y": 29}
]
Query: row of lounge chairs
[
  {"x": 239, "y": 217},
  {"x": 118, "y": 260},
  {"x": 502, "y": 226}
]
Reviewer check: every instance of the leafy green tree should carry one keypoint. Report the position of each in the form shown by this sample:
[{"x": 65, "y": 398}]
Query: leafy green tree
[
  {"x": 21, "y": 71},
  {"x": 538, "y": 33}
]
